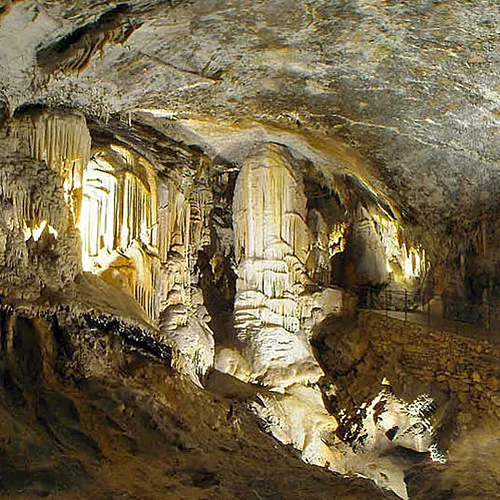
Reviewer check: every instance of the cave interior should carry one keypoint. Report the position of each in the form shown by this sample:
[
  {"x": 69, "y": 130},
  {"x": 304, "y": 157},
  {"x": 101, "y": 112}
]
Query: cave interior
[{"x": 249, "y": 249}]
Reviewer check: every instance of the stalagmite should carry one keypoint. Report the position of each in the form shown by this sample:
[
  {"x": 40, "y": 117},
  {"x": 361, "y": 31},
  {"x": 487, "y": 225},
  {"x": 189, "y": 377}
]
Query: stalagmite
[
  {"x": 184, "y": 231},
  {"x": 174, "y": 218}
]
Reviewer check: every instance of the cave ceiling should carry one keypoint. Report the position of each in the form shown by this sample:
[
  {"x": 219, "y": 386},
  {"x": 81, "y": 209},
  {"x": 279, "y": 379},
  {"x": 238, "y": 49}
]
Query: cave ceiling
[{"x": 406, "y": 91}]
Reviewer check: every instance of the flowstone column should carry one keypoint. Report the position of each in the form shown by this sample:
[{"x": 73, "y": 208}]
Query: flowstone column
[
  {"x": 272, "y": 241},
  {"x": 274, "y": 312},
  {"x": 184, "y": 214}
]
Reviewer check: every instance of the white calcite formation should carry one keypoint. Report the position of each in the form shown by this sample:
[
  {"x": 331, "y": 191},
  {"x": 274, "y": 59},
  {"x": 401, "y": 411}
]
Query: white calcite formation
[
  {"x": 60, "y": 139},
  {"x": 381, "y": 254},
  {"x": 118, "y": 223},
  {"x": 183, "y": 226},
  {"x": 272, "y": 244},
  {"x": 275, "y": 314},
  {"x": 140, "y": 231}
]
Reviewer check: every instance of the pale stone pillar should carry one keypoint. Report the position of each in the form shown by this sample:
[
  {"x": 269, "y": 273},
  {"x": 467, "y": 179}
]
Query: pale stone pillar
[{"x": 272, "y": 241}]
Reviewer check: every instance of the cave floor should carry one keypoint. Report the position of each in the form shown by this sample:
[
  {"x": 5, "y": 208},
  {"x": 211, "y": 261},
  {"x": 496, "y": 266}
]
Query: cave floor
[{"x": 147, "y": 433}]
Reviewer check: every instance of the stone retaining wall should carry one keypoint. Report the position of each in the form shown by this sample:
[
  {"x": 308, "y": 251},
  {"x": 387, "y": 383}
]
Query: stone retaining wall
[{"x": 469, "y": 369}]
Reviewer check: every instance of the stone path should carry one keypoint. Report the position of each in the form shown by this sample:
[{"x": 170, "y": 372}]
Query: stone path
[{"x": 436, "y": 322}]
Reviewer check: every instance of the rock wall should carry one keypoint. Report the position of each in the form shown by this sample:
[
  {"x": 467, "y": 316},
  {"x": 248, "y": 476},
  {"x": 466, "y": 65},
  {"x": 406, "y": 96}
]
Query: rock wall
[
  {"x": 467, "y": 369},
  {"x": 38, "y": 242},
  {"x": 395, "y": 386}
]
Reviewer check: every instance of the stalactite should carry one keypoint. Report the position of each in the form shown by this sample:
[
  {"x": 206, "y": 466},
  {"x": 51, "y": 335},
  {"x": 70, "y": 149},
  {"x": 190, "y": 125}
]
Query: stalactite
[
  {"x": 139, "y": 216},
  {"x": 63, "y": 141},
  {"x": 119, "y": 223},
  {"x": 174, "y": 217},
  {"x": 175, "y": 212}
]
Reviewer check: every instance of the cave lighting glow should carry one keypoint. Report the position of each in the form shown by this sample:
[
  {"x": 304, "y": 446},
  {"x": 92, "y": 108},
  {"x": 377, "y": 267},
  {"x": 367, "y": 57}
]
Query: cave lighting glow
[
  {"x": 37, "y": 231},
  {"x": 98, "y": 212}
]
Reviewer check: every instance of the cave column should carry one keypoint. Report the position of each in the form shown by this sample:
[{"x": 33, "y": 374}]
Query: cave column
[{"x": 272, "y": 240}]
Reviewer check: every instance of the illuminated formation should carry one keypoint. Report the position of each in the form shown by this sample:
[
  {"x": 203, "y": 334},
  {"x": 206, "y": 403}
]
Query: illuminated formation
[
  {"x": 272, "y": 241},
  {"x": 62, "y": 140},
  {"x": 174, "y": 219},
  {"x": 156, "y": 234},
  {"x": 119, "y": 223}
]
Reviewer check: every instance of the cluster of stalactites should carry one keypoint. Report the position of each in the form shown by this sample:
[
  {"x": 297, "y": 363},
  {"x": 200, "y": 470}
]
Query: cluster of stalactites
[
  {"x": 174, "y": 217},
  {"x": 140, "y": 213},
  {"x": 404, "y": 259},
  {"x": 272, "y": 238},
  {"x": 174, "y": 223},
  {"x": 119, "y": 220},
  {"x": 63, "y": 141},
  {"x": 33, "y": 193},
  {"x": 99, "y": 211},
  {"x": 117, "y": 209}
]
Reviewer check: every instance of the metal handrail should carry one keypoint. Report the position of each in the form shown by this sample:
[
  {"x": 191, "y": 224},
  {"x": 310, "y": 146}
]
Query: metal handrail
[{"x": 485, "y": 314}]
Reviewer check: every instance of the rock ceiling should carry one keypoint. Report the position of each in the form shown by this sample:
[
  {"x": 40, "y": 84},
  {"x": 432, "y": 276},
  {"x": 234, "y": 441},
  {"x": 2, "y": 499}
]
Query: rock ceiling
[{"x": 412, "y": 86}]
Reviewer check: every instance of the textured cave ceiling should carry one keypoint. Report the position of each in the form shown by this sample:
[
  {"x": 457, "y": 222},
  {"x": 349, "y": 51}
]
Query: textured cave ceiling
[{"x": 412, "y": 86}]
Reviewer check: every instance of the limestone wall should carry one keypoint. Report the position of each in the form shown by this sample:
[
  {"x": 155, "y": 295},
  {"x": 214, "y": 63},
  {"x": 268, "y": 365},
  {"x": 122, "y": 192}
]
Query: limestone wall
[{"x": 468, "y": 369}]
